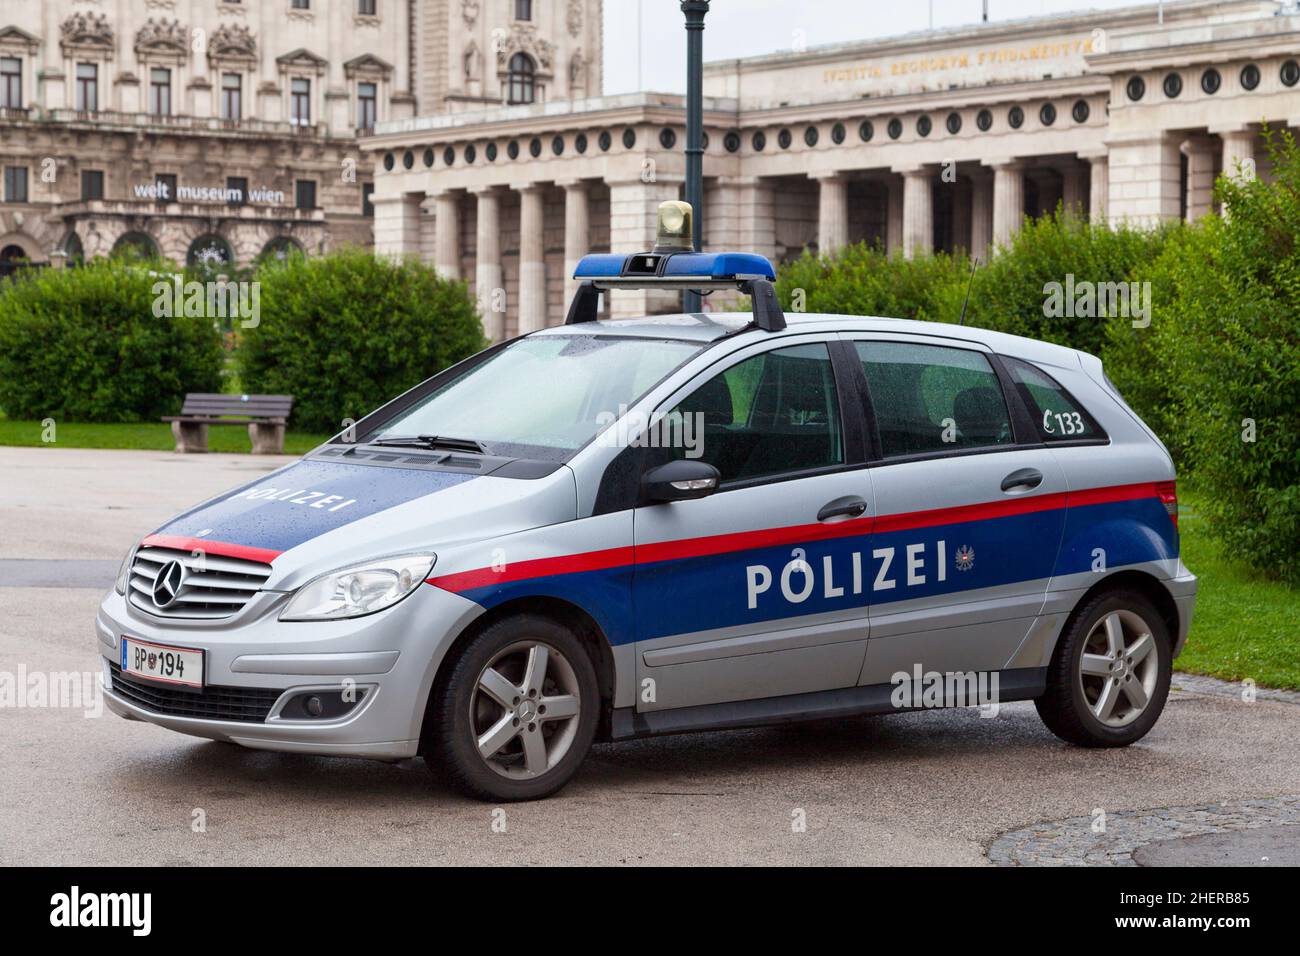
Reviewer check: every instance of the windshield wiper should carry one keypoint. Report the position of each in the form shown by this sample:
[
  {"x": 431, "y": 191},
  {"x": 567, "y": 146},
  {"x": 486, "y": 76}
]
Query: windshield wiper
[{"x": 432, "y": 442}]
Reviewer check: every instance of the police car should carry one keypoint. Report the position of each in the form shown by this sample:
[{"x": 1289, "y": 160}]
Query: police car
[{"x": 618, "y": 528}]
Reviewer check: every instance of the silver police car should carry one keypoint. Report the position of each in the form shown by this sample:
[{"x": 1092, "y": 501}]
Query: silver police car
[{"x": 618, "y": 528}]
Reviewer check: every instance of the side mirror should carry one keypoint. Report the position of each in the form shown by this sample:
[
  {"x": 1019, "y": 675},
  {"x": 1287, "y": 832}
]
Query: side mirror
[{"x": 681, "y": 480}]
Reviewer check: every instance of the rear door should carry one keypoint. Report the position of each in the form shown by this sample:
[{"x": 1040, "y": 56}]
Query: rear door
[
  {"x": 969, "y": 508},
  {"x": 754, "y": 591}
]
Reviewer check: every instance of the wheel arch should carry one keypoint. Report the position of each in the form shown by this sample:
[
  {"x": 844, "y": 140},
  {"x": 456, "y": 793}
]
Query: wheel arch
[
  {"x": 1148, "y": 585},
  {"x": 563, "y": 612}
]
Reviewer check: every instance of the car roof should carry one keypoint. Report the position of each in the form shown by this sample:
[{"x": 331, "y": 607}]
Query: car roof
[{"x": 711, "y": 326}]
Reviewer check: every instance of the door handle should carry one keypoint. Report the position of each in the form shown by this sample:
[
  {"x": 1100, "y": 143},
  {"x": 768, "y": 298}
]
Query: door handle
[
  {"x": 850, "y": 506},
  {"x": 1025, "y": 479}
]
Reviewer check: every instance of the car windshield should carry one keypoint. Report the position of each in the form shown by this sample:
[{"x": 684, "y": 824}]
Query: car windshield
[{"x": 543, "y": 396}]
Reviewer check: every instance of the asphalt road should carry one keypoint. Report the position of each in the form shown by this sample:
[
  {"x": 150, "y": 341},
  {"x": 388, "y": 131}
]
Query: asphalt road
[{"x": 933, "y": 788}]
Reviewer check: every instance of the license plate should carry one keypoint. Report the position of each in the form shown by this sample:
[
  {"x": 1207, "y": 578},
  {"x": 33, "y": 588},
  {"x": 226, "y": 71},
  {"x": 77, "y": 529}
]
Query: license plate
[{"x": 170, "y": 665}]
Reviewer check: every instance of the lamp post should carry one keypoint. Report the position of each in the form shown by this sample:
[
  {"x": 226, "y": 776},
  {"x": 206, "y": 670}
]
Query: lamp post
[{"x": 695, "y": 11}]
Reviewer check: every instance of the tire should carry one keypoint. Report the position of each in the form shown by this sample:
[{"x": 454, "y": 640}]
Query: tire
[
  {"x": 497, "y": 730},
  {"x": 1093, "y": 695}
]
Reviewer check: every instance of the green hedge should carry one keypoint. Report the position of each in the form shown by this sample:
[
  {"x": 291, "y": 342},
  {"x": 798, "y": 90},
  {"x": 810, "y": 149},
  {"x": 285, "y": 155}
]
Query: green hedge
[
  {"x": 346, "y": 332},
  {"x": 1010, "y": 291},
  {"x": 1222, "y": 358},
  {"x": 863, "y": 280},
  {"x": 84, "y": 345}
]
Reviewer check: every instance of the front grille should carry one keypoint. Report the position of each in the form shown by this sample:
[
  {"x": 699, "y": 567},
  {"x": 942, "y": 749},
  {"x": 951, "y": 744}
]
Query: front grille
[
  {"x": 247, "y": 704},
  {"x": 213, "y": 586}
]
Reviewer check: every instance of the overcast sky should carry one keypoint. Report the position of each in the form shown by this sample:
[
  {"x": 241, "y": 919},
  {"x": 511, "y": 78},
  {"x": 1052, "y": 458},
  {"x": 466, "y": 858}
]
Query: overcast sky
[{"x": 737, "y": 28}]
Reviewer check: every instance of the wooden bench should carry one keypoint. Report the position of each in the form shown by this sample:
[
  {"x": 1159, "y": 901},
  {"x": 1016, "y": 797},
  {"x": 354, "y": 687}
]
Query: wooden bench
[{"x": 265, "y": 416}]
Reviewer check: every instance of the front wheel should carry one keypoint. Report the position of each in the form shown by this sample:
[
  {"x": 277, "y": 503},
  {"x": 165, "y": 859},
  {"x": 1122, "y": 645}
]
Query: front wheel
[
  {"x": 517, "y": 712},
  {"x": 1109, "y": 675}
]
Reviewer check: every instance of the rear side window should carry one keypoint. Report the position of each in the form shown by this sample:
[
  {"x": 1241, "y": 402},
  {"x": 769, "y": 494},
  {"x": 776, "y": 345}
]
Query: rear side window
[
  {"x": 929, "y": 398},
  {"x": 771, "y": 414},
  {"x": 1056, "y": 414}
]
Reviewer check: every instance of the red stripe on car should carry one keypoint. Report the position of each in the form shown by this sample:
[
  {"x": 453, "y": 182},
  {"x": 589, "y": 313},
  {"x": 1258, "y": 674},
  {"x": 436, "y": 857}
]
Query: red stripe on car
[
  {"x": 794, "y": 534},
  {"x": 222, "y": 548}
]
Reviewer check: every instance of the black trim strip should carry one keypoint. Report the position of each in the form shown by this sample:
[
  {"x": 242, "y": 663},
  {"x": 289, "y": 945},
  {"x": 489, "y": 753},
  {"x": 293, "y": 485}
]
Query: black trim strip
[{"x": 1021, "y": 683}]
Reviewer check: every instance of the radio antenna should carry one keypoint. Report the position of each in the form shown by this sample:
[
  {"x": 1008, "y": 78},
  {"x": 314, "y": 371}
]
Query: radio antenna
[{"x": 974, "y": 264}]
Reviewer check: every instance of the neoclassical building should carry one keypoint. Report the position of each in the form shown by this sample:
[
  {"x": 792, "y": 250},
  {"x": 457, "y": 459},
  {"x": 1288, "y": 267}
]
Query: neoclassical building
[
  {"x": 222, "y": 130},
  {"x": 937, "y": 140}
]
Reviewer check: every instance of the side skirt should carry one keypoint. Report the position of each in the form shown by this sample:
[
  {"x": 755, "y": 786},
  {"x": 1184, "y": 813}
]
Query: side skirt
[{"x": 1021, "y": 683}]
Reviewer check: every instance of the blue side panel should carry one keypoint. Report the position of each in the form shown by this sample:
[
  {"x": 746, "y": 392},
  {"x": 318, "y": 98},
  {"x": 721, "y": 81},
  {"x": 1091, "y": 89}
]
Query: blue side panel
[
  {"x": 305, "y": 500},
  {"x": 712, "y": 591},
  {"x": 697, "y": 594},
  {"x": 605, "y": 594},
  {"x": 1130, "y": 532}
]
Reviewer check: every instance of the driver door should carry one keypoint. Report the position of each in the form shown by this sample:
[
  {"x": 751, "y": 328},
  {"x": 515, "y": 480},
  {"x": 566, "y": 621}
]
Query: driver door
[{"x": 755, "y": 590}]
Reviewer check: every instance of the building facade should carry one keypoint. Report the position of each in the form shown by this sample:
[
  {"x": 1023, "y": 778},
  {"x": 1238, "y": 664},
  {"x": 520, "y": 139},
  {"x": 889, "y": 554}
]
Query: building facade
[
  {"x": 940, "y": 140},
  {"x": 217, "y": 131}
]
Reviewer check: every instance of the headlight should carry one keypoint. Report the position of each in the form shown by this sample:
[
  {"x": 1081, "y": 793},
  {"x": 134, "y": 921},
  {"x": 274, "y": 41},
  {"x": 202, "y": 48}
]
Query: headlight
[
  {"x": 124, "y": 572},
  {"x": 362, "y": 589}
]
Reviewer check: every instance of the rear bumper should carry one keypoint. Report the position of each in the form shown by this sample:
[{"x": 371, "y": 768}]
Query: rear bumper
[
  {"x": 255, "y": 664},
  {"x": 1182, "y": 588}
]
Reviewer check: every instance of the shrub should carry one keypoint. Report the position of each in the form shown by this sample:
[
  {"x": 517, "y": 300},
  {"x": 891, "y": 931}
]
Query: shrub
[
  {"x": 1010, "y": 291},
  {"x": 344, "y": 333},
  {"x": 863, "y": 280},
  {"x": 83, "y": 344},
  {"x": 1224, "y": 352}
]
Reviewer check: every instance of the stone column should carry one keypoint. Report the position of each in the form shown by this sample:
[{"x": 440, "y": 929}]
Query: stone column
[
  {"x": 1239, "y": 152},
  {"x": 489, "y": 280},
  {"x": 446, "y": 256},
  {"x": 532, "y": 260},
  {"x": 633, "y": 217},
  {"x": 1074, "y": 188},
  {"x": 1199, "y": 150},
  {"x": 1145, "y": 179},
  {"x": 832, "y": 212},
  {"x": 1008, "y": 200},
  {"x": 918, "y": 211},
  {"x": 962, "y": 200},
  {"x": 1098, "y": 187},
  {"x": 981, "y": 215},
  {"x": 577, "y": 232},
  {"x": 397, "y": 224},
  {"x": 894, "y": 216}
]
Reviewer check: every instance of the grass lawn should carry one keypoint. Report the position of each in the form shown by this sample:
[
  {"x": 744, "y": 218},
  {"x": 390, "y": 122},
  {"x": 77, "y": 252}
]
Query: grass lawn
[
  {"x": 1243, "y": 626},
  {"x": 156, "y": 436}
]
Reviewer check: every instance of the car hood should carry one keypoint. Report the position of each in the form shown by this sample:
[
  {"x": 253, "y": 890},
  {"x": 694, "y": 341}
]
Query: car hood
[{"x": 313, "y": 516}]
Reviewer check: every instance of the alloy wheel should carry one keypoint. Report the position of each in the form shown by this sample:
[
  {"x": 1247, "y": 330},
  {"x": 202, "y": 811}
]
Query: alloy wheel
[
  {"x": 524, "y": 710},
  {"x": 1119, "y": 668}
]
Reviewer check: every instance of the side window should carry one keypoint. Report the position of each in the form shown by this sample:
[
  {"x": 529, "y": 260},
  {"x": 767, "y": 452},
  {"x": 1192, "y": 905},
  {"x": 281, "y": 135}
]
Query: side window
[
  {"x": 1056, "y": 415},
  {"x": 771, "y": 414},
  {"x": 929, "y": 398}
]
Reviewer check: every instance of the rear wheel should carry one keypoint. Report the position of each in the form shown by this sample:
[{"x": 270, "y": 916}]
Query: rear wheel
[
  {"x": 517, "y": 712},
  {"x": 1109, "y": 675}
]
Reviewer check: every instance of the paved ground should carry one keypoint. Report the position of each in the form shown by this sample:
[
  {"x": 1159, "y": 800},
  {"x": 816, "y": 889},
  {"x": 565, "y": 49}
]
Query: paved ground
[{"x": 916, "y": 788}]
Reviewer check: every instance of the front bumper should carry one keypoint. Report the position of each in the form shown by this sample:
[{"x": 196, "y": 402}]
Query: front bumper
[{"x": 388, "y": 659}]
